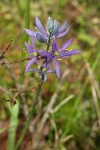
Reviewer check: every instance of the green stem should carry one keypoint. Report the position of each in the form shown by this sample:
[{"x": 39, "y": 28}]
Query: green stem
[
  {"x": 48, "y": 44},
  {"x": 29, "y": 118}
]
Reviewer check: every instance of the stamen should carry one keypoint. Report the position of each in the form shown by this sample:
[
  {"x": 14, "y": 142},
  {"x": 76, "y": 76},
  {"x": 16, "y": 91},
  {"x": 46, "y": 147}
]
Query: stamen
[
  {"x": 66, "y": 62},
  {"x": 35, "y": 53},
  {"x": 59, "y": 59},
  {"x": 68, "y": 49},
  {"x": 36, "y": 29},
  {"x": 48, "y": 32},
  {"x": 39, "y": 66},
  {"x": 56, "y": 53},
  {"x": 43, "y": 69}
]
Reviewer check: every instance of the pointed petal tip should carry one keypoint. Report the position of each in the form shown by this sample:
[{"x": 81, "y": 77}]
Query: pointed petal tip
[
  {"x": 26, "y": 44},
  {"x": 36, "y": 19},
  {"x": 57, "y": 68},
  {"x": 63, "y": 33},
  {"x": 69, "y": 53},
  {"x": 26, "y": 70},
  {"x": 58, "y": 77},
  {"x": 24, "y": 28},
  {"x": 66, "y": 44},
  {"x": 40, "y": 26},
  {"x": 63, "y": 27}
]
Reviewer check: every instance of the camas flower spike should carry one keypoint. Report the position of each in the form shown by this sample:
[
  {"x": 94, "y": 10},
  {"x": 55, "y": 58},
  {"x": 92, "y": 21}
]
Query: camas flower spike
[{"x": 52, "y": 32}]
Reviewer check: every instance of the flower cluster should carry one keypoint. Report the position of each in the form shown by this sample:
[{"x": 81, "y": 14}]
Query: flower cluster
[{"x": 49, "y": 37}]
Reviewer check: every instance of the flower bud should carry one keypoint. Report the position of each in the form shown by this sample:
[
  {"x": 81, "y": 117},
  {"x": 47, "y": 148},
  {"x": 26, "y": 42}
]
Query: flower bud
[
  {"x": 52, "y": 26},
  {"x": 41, "y": 38},
  {"x": 55, "y": 27},
  {"x": 49, "y": 25}
]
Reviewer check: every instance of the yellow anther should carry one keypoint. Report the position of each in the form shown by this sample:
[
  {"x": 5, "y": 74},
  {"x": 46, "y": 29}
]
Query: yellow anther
[
  {"x": 35, "y": 53},
  {"x": 43, "y": 69},
  {"x": 68, "y": 49},
  {"x": 59, "y": 59},
  {"x": 66, "y": 62},
  {"x": 56, "y": 53},
  {"x": 39, "y": 66}
]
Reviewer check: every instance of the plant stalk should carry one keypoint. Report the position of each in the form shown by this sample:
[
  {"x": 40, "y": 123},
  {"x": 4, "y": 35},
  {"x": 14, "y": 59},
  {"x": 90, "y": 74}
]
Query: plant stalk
[{"x": 30, "y": 117}]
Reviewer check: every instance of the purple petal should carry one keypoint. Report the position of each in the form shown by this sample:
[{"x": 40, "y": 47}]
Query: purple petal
[
  {"x": 65, "y": 45},
  {"x": 63, "y": 27},
  {"x": 51, "y": 71},
  {"x": 56, "y": 64},
  {"x": 63, "y": 33},
  {"x": 69, "y": 53},
  {"x": 41, "y": 51},
  {"x": 30, "y": 32},
  {"x": 49, "y": 55},
  {"x": 40, "y": 26},
  {"x": 32, "y": 61},
  {"x": 41, "y": 38},
  {"x": 54, "y": 46},
  {"x": 30, "y": 48},
  {"x": 34, "y": 70},
  {"x": 45, "y": 65},
  {"x": 33, "y": 43}
]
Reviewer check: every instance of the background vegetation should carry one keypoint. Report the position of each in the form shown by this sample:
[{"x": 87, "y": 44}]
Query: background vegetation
[{"x": 73, "y": 120}]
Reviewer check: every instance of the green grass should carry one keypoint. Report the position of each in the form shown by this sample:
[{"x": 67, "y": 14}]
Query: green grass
[{"x": 77, "y": 117}]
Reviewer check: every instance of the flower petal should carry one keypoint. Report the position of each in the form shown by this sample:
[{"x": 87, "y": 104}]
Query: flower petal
[
  {"x": 63, "y": 33},
  {"x": 41, "y": 38},
  {"x": 65, "y": 45},
  {"x": 49, "y": 55},
  {"x": 41, "y": 51},
  {"x": 40, "y": 26},
  {"x": 54, "y": 46},
  {"x": 51, "y": 71},
  {"x": 29, "y": 47},
  {"x": 56, "y": 64},
  {"x": 63, "y": 27},
  {"x": 32, "y": 70},
  {"x": 32, "y": 61},
  {"x": 33, "y": 43},
  {"x": 69, "y": 53},
  {"x": 30, "y": 32}
]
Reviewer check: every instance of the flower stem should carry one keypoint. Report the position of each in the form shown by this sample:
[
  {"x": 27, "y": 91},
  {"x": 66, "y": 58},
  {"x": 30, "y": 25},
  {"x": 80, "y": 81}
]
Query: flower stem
[
  {"x": 48, "y": 44},
  {"x": 30, "y": 117}
]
